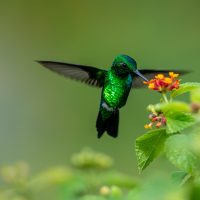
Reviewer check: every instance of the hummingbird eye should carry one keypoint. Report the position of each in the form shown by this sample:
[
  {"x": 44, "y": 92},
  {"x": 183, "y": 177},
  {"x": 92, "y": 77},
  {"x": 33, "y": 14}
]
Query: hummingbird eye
[{"x": 123, "y": 64}]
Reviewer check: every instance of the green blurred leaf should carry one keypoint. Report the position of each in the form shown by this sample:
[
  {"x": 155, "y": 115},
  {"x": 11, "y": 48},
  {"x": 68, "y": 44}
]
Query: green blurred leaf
[
  {"x": 195, "y": 96},
  {"x": 175, "y": 106},
  {"x": 76, "y": 187},
  {"x": 158, "y": 187},
  {"x": 179, "y": 153},
  {"x": 92, "y": 197},
  {"x": 177, "y": 121},
  {"x": 89, "y": 159},
  {"x": 180, "y": 177},
  {"x": 119, "y": 179},
  {"x": 149, "y": 146},
  {"x": 195, "y": 134},
  {"x": 115, "y": 192},
  {"x": 18, "y": 173},
  {"x": 185, "y": 87},
  {"x": 51, "y": 177}
]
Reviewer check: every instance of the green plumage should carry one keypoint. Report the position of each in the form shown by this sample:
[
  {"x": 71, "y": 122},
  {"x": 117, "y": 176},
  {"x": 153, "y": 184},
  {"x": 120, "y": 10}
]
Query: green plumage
[
  {"x": 117, "y": 85},
  {"x": 116, "y": 89}
]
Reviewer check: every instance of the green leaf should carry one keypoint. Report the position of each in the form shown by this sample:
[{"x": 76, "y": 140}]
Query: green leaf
[
  {"x": 156, "y": 187},
  {"x": 185, "y": 87},
  {"x": 180, "y": 177},
  {"x": 179, "y": 153},
  {"x": 175, "y": 106},
  {"x": 89, "y": 159},
  {"x": 149, "y": 146},
  {"x": 118, "y": 179},
  {"x": 195, "y": 96},
  {"x": 177, "y": 115},
  {"x": 177, "y": 121}
]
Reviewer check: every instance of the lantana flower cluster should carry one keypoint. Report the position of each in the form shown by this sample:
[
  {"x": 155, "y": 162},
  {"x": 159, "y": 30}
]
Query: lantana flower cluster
[
  {"x": 162, "y": 83},
  {"x": 157, "y": 119}
]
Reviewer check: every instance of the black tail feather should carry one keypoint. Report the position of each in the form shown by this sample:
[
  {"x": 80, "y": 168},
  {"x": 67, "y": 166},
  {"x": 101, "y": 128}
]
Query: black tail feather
[
  {"x": 110, "y": 125},
  {"x": 100, "y": 125}
]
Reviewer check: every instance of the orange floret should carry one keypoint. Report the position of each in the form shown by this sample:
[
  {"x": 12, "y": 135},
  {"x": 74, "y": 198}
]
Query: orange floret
[{"x": 151, "y": 85}]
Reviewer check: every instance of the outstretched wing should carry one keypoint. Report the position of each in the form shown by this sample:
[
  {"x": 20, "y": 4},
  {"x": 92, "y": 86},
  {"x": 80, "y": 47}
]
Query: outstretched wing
[
  {"x": 150, "y": 73},
  {"x": 89, "y": 75}
]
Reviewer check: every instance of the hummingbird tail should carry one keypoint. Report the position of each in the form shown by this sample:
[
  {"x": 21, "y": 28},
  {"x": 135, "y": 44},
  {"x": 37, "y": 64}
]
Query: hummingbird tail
[{"x": 110, "y": 124}]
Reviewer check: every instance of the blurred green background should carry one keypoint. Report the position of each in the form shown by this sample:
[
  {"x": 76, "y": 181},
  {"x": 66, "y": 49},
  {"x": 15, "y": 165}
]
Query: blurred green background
[{"x": 44, "y": 118}]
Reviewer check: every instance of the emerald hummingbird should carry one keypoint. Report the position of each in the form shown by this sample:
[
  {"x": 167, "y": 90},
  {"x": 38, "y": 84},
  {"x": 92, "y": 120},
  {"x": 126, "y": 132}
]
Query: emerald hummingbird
[{"x": 115, "y": 84}]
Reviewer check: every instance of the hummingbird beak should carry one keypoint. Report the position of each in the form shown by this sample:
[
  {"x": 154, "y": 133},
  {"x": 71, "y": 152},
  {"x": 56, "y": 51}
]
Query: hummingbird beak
[{"x": 140, "y": 75}]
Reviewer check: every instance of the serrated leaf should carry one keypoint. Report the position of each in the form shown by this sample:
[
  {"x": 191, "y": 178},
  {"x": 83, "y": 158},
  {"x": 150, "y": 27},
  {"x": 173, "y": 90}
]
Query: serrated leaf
[
  {"x": 175, "y": 106},
  {"x": 177, "y": 121},
  {"x": 149, "y": 146},
  {"x": 185, "y": 87},
  {"x": 179, "y": 153}
]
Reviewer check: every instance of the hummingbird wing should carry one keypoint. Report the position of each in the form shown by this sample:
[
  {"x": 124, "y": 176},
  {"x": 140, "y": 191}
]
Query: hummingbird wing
[
  {"x": 89, "y": 75},
  {"x": 150, "y": 74}
]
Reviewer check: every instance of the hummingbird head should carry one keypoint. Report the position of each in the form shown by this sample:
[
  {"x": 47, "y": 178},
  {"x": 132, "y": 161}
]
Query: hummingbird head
[{"x": 124, "y": 65}]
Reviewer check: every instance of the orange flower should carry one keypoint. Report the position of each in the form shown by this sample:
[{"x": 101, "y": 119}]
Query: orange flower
[
  {"x": 151, "y": 85},
  {"x": 164, "y": 84},
  {"x": 158, "y": 125}
]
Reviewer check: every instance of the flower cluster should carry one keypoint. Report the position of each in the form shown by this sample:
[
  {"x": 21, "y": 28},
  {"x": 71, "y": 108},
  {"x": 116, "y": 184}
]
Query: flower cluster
[
  {"x": 157, "y": 119},
  {"x": 164, "y": 84}
]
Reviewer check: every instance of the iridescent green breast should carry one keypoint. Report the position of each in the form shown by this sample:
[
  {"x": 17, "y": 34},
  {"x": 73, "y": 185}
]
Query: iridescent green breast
[{"x": 116, "y": 90}]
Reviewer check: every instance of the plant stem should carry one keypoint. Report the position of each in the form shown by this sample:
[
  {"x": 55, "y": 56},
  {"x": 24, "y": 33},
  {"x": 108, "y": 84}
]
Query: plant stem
[{"x": 165, "y": 97}]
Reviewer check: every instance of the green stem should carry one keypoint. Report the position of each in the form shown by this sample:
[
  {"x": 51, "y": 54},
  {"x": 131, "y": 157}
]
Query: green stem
[{"x": 165, "y": 97}]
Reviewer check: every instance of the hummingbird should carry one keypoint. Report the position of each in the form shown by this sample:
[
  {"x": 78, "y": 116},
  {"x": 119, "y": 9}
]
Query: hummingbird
[{"x": 115, "y": 84}]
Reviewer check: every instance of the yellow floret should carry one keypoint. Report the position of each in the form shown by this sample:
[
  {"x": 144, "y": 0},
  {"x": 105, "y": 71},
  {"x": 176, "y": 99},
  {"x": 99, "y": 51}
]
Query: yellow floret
[
  {"x": 173, "y": 75},
  {"x": 168, "y": 80},
  {"x": 160, "y": 76},
  {"x": 148, "y": 126}
]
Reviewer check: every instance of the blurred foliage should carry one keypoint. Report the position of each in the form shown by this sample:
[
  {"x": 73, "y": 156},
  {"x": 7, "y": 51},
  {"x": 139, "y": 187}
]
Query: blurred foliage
[
  {"x": 89, "y": 159},
  {"x": 97, "y": 182},
  {"x": 87, "y": 176}
]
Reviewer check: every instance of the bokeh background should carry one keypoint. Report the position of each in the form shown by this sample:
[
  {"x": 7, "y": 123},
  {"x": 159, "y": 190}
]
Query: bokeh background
[{"x": 44, "y": 118}]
